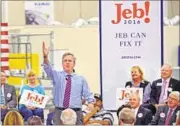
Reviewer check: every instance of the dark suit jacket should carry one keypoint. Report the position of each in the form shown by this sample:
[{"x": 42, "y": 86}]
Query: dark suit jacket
[
  {"x": 156, "y": 90},
  {"x": 142, "y": 84},
  {"x": 10, "y": 96},
  {"x": 143, "y": 117},
  {"x": 161, "y": 114}
]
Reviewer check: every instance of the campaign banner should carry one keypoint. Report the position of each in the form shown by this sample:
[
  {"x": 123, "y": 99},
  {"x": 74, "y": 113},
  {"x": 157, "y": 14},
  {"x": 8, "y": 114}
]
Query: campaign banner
[
  {"x": 130, "y": 34},
  {"x": 123, "y": 94},
  {"x": 39, "y": 12},
  {"x": 31, "y": 98}
]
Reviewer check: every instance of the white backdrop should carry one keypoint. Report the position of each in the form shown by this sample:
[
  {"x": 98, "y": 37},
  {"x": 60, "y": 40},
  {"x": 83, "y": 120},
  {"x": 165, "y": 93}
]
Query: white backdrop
[{"x": 134, "y": 40}]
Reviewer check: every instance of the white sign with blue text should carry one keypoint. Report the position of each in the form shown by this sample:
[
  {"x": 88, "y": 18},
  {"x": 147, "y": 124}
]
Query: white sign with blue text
[{"x": 131, "y": 34}]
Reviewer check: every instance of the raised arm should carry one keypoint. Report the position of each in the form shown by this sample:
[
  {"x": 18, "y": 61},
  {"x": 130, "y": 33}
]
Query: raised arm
[{"x": 45, "y": 53}]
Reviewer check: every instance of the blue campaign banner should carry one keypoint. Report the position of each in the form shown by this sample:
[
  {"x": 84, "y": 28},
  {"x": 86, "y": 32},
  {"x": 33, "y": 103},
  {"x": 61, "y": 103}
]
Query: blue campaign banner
[{"x": 131, "y": 33}]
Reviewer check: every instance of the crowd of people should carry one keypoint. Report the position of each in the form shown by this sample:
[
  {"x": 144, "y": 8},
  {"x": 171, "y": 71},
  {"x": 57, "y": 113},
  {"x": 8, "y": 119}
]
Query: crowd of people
[{"x": 76, "y": 105}]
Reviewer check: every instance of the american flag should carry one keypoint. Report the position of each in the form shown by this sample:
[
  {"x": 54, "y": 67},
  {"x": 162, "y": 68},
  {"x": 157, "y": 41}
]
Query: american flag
[{"x": 4, "y": 48}]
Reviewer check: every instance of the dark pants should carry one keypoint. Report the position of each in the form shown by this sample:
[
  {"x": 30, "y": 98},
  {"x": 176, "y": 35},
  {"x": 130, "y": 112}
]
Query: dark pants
[
  {"x": 49, "y": 120},
  {"x": 150, "y": 107},
  {"x": 57, "y": 115},
  {"x": 3, "y": 114},
  {"x": 26, "y": 113}
]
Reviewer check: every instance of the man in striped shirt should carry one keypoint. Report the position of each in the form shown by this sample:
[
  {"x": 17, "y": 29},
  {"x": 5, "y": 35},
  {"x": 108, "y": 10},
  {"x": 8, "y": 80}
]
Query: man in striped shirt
[{"x": 98, "y": 115}]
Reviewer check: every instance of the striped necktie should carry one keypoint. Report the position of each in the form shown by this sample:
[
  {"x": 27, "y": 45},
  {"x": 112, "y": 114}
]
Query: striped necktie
[
  {"x": 67, "y": 92},
  {"x": 168, "y": 118}
]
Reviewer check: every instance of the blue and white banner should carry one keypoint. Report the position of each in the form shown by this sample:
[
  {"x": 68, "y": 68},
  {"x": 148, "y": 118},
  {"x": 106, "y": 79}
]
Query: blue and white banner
[
  {"x": 131, "y": 34},
  {"x": 39, "y": 12}
]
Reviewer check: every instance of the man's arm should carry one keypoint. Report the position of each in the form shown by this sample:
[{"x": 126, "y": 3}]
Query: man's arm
[
  {"x": 89, "y": 115},
  {"x": 86, "y": 92},
  {"x": 13, "y": 102},
  {"x": 153, "y": 93},
  {"x": 47, "y": 66}
]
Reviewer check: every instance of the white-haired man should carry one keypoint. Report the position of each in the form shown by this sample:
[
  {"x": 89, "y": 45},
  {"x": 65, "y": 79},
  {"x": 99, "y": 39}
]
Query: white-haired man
[
  {"x": 143, "y": 115},
  {"x": 162, "y": 87},
  {"x": 166, "y": 115},
  {"x": 126, "y": 117},
  {"x": 68, "y": 117}
]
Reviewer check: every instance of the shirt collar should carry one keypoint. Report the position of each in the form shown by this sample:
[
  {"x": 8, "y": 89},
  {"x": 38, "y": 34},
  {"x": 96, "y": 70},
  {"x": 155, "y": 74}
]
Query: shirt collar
[
  {"x": 66, "y": 74},
  {"x": 167, "y": 80}
]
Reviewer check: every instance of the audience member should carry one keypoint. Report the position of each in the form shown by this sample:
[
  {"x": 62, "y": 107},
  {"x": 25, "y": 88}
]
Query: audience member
[
  {"x": 121, "y": 107},
  {"x": 7, "y": 96},
  {"x": 161, "y": 88},
  {"x": 32, "y": 85},
  {"x": 68, "y": 117},
  {"x": 98, "y": 115},
  {"x": 143, "y": 115},
  {"x": 13, "y": 118},
  {"x": 166, "y": 115},
  {"x": 138, "y": 81},
  {"x": 126, "y": 117},
  {"x": 69, "y": 87},
  {"x": 35, "y": 120},
  {"x": 178, "y": 118}
]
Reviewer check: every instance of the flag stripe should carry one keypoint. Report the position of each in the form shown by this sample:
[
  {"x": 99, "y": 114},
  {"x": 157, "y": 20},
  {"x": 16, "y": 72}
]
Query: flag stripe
[
  {"x": 4, "y": 46},
  {"x": 4, "y": 59},
  {"x": 5, "y": 63},
  {"x": 4, "y": 41},
  {"x": 4, "y": 50},
  {"x": 4, "y": 24},
  {"x": 4, "y": 28},
  {"x": 4, "y": 37},
  {"x": 4, "y": 68},
  {"x": 4, "y": 32},
  {"x": 4, "y": 54}
]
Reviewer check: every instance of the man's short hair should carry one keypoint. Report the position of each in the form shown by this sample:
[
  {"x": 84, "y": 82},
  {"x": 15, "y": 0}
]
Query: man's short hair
[
  {"x": 68, "y": 116},
  {"x": 121, "y": 107},
  {"x": 69, "y": 54},
  {"x": 175, "y": 93},
  {"x": 127, "y": 116}
]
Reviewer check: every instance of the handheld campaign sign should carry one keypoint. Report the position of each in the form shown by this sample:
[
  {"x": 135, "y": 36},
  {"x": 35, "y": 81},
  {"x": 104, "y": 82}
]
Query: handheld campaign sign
[{"x": 34, "y": 99}]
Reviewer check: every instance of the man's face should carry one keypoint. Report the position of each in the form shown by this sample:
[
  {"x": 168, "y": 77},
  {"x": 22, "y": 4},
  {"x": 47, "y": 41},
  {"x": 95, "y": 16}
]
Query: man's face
[
  {"x": 134, "y": 101},
  {"x": 172, "y": 101},
  {"x": 135, "y": 74},
  {"x": 98, "y": 103},
  {"x": 166, "y": 72},
  {"x": 3, "y": 78},
  {"x": 68, "y": 63}
]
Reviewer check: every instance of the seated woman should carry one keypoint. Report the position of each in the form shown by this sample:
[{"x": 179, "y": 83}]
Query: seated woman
[
  {"x": 138, "y": 81},
  {"x": 33, "y": 85}
]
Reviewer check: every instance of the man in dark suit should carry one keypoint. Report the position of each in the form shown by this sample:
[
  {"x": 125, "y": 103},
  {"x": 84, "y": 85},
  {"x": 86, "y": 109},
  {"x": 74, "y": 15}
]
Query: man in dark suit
[
  {"x": 166, "y": 115},
  {"x": 7, "y": 96},
  {"x": 143, "y": 115},
  {"x": 161, "y": 88}
]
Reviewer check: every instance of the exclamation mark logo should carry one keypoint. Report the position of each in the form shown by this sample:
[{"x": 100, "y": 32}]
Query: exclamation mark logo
[
  {"x": 147, "y": 5},
  {"x": 41, "y": 100}
]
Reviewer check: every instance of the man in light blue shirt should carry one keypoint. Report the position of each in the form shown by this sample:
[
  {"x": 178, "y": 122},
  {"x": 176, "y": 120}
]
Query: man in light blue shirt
[{"x": 69, "y": 88}]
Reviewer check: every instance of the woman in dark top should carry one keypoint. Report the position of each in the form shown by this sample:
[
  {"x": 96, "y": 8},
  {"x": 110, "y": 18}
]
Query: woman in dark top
[{"x": 138, "y": 81}]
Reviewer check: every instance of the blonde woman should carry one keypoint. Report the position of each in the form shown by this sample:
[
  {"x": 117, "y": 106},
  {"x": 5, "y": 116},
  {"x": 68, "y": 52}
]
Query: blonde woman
[
  {"x": 13, "y": 118},
  {"x": 138, "y": 81},
  {"x": 32, "y": 85}
]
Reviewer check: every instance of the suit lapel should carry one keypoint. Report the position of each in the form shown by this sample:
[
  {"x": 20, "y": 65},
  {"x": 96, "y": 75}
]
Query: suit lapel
[
  {"x": 166, "y": 112},
  {"x": 170, "y": 82},
  {"x": 5, "y": 92},
  {"x": 174, "y": 115}
]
